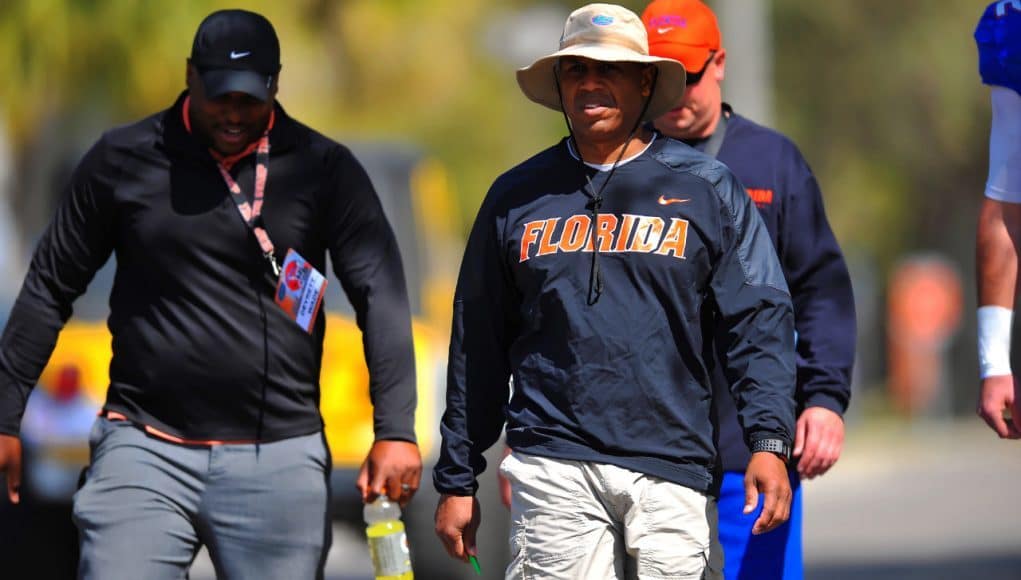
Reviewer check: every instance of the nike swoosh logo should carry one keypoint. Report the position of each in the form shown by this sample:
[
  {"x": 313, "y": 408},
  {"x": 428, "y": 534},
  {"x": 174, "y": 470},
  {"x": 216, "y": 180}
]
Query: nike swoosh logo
[
  {"x": 668, "y": 200},
  {"x": 664, "y": 30},
  {"x": 237, "y": 55}
]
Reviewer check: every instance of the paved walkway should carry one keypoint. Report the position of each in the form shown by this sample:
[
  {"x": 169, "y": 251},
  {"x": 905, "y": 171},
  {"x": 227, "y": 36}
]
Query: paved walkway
[
  {"x": 934, "y": 501},
  {"x": 930, "y": 501}
]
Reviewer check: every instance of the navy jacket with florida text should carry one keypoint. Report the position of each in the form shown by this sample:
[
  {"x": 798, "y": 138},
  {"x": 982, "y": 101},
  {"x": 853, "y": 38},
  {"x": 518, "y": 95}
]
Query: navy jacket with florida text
[{"x": 623, "y": 379}]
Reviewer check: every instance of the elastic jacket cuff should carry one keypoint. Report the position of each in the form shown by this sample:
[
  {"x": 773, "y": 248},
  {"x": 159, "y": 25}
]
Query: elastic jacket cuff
[
  {"x": 405, "y": 439},
  {"x": 395, "y": 434},
  {"x": 453, "y": 491},
  {"x": 826, "y": 401}
]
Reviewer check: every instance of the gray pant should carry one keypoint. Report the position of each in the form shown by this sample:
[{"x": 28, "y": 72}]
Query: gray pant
[{"x": 148, "y": 504}]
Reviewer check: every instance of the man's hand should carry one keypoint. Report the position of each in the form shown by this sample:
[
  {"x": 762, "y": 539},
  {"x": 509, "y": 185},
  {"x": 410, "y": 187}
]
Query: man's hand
[
  {"x": 1000, "y": 394},
  {"x": 10, "y": 463},
  {"x": 819, "y": 441},
  {"x": 767, "y": 474},
  {"x": 394, "y": 465},
  {"x": 457, "y": 521}
]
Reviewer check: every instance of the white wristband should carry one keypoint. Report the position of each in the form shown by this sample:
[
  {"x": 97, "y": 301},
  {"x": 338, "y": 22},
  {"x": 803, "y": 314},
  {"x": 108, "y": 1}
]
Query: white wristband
[{"x": 994, "y": 324}]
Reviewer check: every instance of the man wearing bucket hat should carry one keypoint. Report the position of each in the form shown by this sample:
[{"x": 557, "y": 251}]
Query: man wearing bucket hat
[
  {"x": 593, "y": 276},
  {"x": 211, "y": 434},
  {"x": 787, "y": 196}
]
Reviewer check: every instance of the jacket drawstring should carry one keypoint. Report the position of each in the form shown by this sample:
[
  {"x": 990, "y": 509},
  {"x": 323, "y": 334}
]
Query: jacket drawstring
[{"x": 595, "y": 282}]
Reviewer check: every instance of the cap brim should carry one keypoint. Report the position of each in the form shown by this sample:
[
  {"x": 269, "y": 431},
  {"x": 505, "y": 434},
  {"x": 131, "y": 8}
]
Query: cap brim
[
  {"x": 219, "y": 82},
  {"x": 539, "y": 83},
  {"x": 692, "y": 57}
]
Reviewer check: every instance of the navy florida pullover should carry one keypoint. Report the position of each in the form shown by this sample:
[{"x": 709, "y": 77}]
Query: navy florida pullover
[
  {"x": 782, "y": 186},
  {"x": 683, "y": 256}
]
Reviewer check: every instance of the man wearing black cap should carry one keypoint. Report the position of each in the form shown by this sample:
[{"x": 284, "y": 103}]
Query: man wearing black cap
[{"x": 221, "y": 211}]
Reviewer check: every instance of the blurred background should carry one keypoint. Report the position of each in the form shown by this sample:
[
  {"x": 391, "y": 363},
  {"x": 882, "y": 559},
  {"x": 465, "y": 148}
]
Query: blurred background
[{"x": 882, "y": 97}]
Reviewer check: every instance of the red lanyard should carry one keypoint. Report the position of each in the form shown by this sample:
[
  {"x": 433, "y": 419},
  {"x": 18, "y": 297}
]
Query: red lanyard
[{"x": 250, "y": 212}]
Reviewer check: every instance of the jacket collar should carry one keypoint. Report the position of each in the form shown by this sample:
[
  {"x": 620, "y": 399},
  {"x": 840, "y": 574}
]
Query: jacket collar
[{"x": 282, "y": 136}]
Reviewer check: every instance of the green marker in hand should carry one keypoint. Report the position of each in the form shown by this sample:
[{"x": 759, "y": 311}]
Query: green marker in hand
[{"x": 475, "y": 564}]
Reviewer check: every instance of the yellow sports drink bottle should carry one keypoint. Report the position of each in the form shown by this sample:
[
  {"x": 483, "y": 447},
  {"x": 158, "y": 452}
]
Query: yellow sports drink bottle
[{"x": 388, "y": 544}]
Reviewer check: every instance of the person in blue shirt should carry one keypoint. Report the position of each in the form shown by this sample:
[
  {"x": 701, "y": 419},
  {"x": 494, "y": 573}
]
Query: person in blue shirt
[
  {"x": 601, "y": 274},
  {"x": 787, "y": 196},
  {"x": 998, "y": 36}
]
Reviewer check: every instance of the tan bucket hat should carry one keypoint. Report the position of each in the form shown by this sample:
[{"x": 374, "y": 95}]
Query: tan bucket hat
[{"x": 607, "y": 33}]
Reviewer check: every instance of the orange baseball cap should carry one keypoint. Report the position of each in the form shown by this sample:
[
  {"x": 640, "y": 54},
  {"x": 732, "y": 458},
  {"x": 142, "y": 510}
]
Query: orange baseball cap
[{"x": 684, "y": 30}]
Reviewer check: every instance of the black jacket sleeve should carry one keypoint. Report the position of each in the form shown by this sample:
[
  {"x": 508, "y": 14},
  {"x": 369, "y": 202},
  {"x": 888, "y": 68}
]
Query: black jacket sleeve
[
  {"x": 756, "y": 321},
  {"x": 76, "y": 244},
  {"x": 820, "y": 288},
  {"x": 366, "y": 260},
  {"x": 478, "y": 371}
]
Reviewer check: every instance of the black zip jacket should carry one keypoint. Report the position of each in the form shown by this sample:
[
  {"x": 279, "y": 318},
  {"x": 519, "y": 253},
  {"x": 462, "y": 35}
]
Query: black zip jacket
[
  {"x": 684, "y": 256},
  {"x": 200, "y": 349}
]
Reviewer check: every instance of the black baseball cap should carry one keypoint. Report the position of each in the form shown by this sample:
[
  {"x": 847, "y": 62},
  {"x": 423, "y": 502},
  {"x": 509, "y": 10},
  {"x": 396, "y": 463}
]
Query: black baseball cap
[{"x": 236, "y": 50}]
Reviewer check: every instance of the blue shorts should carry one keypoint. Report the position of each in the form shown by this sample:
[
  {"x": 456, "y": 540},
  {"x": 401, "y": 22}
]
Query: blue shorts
[{"x": 775, "y": 555}]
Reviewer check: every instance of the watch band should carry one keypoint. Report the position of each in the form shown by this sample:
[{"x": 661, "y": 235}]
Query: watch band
[{"x": 777, "y": 446}]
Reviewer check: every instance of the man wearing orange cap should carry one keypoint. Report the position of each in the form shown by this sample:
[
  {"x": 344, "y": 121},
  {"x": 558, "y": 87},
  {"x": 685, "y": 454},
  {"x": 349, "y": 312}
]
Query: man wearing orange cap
[
  {"x": 597, "y": 274},
  {"x": 783, "y": 188}
]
